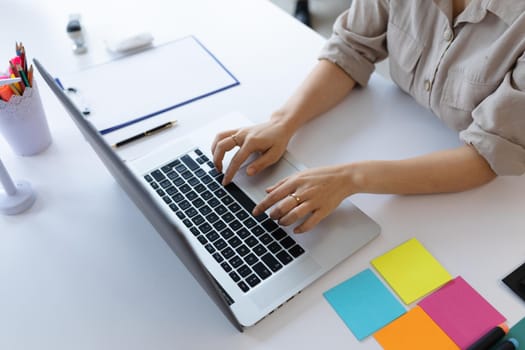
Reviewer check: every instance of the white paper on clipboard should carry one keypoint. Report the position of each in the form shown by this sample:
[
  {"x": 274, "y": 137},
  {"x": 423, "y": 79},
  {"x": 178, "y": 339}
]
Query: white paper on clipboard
[{"x": 140, "y": 86}]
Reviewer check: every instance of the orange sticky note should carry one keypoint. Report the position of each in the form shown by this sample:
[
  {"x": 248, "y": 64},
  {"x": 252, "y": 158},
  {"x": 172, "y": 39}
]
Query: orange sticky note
[{"x": 415, "y": 330}]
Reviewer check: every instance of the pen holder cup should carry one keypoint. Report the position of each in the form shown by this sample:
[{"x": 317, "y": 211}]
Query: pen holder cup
[{"x": 23, "y": 123}]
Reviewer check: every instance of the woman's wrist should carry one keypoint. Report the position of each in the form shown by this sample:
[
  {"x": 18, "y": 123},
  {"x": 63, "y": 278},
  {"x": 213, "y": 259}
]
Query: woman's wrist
[
  {"x": 286, "y": 121},
  {"x": 354, "y": 178}
]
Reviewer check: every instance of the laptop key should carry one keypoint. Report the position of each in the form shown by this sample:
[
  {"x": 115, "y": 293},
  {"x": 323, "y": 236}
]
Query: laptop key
[
  {"x": 287, "y": 242},
  {"x": 244, "y": 270},
  {"x": 296, "y": 250},
  {"x": 251, "y": 259},
  {"x": 227, "y": 252},
  {"x": 253, "y": 280},
  {"x": 221, "y": 209},
  {"x": 251, "y": 241},
  {"x": 185, "y": 188},
  {"x": 259, "y": 250},
  {"x": 257, "y": 230},
  {"x": 158, "y": 175},
  {"x": 214, "y": 202},
  {"x": 219, "y": 225},
  {"x": 235, "y": 262},
  {"x": 186, "y": 159},
  {"x": 235, "y": 225},
  {"x": 240, "y": 196},
  {"x": 235, "y": 242},
  {"x": 212, "y": 236},
  {"x": 279, "y": 234},
  {"x": 200, "y": 172},
  {"x": 205, "y": 227},
  {"x": 242, "y": 215},
  {"x": 266, "y": 239},
  {"x": 274, "y": 247},
  {"x": 202, "y": 239},
  {"x": 271, "y": 262},
  {"x": 234, "y": 207},
  {"x": 234, "y": 276},
  {"x": 218, "y": 257},
  {"x": 243, "y": 233},
  {"x": 198, "y": 220},
  {"x": 180, "y": 168},
  {"x": 284, "y": 257},
  {"x": 214, "y": 172},
  {"x": 261, "y": 270},
  {"x": 220, "y": 244},
  {"x": 270, "y": 225},
  {"x": 226, "y": 267},
  {"x": 244, "y": 287},
  {"x": 200, "y": 188},
  {"x": 242, "y": 250},
  {"x": 191, "y": 212},
  {"x": 226, "y": 233}
]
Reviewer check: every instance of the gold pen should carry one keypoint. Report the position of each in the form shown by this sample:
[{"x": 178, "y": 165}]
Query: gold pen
[{"x": 145, "y": 134}]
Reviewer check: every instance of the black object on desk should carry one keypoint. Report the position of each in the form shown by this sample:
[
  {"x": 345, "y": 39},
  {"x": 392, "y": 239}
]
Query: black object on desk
[
  {"x": 516, "y": 281},
  {"x": 490, "y": 338}
]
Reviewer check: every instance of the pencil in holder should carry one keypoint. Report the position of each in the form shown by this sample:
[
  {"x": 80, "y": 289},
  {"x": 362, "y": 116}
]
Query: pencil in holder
[{"x": 23, "y": 123}]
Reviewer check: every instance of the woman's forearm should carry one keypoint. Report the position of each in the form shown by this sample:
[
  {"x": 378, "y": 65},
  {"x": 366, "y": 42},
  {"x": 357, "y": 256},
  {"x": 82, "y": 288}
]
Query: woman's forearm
[
  {"x": 323, "y": 88},
  {"x": 445, "y": 171}
]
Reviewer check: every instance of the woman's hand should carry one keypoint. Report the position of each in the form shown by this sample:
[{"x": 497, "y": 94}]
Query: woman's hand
[
  {"x": 310, "y": 195},
  {"x": 268, "y": 139}
]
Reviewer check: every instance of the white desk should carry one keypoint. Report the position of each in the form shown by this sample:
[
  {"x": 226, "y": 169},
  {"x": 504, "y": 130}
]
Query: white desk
[{"x": 83, "y": 269}]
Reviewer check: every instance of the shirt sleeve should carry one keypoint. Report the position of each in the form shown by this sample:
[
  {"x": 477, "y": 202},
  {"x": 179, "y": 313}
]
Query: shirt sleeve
[
  {"x": 359, "y": 39},
  {"x": 498, "y": 128}
]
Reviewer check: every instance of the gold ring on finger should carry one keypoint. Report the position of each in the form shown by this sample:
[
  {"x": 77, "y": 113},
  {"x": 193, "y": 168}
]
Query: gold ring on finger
[
  {"x": 296, "y": 197},
  {"x": 234, "y": 138}
]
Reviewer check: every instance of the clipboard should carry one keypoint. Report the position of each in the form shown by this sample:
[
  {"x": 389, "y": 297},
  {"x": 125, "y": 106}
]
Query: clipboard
[{"x": 131, "y": 89}]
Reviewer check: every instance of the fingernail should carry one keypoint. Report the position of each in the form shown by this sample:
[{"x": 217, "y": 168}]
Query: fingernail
[{"x": 250, "y": 171}]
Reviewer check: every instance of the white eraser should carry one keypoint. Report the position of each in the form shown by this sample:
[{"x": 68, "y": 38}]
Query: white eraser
[{"x": 130, "y": 43}]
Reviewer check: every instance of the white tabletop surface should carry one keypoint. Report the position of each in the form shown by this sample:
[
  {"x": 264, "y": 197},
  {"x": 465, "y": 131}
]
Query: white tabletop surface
[{"x": 83, "y": 269}]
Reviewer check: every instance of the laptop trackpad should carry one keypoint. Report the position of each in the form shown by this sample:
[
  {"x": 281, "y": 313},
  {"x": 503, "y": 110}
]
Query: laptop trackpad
[{"x": 255, "y": 186}]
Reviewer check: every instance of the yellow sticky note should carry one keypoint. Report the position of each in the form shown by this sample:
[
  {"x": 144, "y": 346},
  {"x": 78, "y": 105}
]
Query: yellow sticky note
[
  {"x": 415, "y": 330},
  {"x": 411, "y": 270}
]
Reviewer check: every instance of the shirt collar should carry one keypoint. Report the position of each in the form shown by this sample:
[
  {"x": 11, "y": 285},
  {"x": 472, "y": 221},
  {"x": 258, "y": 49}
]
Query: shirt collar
[
  {"x": 476, "y": 10},
  {"x": 507, "y": 10}
]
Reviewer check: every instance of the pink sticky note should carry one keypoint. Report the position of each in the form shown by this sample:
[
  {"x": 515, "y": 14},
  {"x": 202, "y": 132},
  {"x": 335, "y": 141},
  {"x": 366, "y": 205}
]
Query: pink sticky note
[{"x": 461, "y": 312}]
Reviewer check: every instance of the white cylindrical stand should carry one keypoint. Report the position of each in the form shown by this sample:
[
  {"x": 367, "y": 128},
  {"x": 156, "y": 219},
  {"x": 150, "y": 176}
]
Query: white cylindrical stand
[{"x": 18, "y": 197}]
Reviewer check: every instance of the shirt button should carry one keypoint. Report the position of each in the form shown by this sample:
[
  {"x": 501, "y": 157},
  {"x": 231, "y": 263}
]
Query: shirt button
[
  {"x": 427, "y": 85},
  {"x": 447, "y": 35}
]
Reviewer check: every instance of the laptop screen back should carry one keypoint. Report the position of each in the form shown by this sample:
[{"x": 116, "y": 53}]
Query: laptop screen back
[{"x": 142, "y": 199}]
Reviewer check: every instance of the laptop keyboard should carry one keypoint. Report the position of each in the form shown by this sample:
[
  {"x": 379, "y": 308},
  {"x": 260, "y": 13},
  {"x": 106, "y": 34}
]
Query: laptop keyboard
[{"x": 250, "y": 249}]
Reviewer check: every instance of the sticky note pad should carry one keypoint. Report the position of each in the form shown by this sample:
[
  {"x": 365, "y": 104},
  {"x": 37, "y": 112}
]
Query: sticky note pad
[
  {"x": 517, "y": 332},
  {"x": 364, "y": 303},
  {"x": 415, "y": 330},
  {"x": 411, "y": 270},
  {"x": 461, "y": 312}
]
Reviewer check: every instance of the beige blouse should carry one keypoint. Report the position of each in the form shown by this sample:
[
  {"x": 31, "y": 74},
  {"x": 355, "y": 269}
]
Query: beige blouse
[{"x": 469, "y": 70}]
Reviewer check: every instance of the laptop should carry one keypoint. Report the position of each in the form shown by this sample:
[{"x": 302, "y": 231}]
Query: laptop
[{"x": 248, "y": 265}]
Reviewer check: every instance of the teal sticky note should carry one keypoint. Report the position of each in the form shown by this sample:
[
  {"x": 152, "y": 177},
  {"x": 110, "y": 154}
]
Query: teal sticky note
[
  {"x": 517, "y": 332},
  {"x": 364, "y": 303}
]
